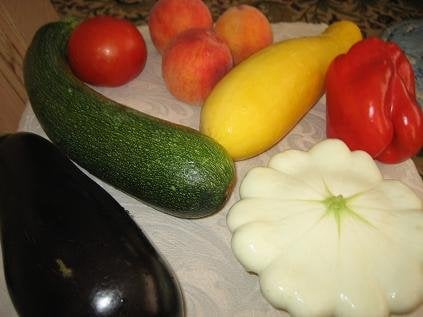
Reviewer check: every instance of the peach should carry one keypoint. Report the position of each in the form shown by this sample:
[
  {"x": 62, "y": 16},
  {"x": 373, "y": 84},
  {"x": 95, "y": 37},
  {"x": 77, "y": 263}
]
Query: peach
[
  {"x": 245, "y": 29},
  {"x": 193, "y": 63},
  {"x": 168, "y": 18}
]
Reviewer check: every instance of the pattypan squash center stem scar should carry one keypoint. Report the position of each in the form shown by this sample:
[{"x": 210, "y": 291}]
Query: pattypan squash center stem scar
[{"x": 336, "y": 206}]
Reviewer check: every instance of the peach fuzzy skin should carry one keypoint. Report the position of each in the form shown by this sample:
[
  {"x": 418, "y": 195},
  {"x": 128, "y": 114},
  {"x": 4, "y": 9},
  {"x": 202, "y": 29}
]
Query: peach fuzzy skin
[
  {"x": 193, "y": 64},
  {"x": 245, "y": 29},
  {"x": 168, "y": 18}
]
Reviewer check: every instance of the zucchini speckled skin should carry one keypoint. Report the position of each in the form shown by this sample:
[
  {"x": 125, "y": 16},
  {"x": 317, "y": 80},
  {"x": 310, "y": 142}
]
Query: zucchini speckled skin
[
  {"x": 173, "y": 168},
  {"x": 69, "y": 249}
]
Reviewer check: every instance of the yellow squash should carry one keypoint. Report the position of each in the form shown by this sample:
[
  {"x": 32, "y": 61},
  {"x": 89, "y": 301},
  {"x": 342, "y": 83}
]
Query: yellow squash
[{"x": 259, "y": 101}]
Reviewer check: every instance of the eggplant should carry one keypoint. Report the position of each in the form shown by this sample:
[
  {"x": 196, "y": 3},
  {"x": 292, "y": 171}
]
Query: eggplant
[{"x": 69, "y": 249}]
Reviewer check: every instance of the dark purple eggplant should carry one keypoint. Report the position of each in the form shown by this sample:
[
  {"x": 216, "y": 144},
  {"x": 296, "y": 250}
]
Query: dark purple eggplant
[{"x": 69, "y": 249}]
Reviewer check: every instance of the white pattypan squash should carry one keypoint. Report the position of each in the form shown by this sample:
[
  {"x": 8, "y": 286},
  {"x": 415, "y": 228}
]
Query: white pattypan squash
[{"x": 328, "y": 236}]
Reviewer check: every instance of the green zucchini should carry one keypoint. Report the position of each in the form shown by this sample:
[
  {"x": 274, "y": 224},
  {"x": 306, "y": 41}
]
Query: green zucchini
[{"x": 170, "y": 167}]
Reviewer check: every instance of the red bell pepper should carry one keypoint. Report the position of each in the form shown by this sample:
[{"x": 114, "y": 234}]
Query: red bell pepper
[{"x": 371, "y": 101}]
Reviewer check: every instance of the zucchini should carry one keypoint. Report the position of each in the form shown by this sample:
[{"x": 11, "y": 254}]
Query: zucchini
[
  {"x": 170, "y": 167},
  {"x": 69, "y": 249}
]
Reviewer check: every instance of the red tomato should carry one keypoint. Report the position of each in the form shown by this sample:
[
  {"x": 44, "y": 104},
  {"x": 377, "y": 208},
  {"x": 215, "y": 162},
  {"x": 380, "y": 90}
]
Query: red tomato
[{"x": 106, "y": 51}]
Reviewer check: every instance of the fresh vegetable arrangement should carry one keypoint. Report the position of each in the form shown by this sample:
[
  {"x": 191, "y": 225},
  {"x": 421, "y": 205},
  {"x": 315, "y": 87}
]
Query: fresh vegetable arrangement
[
  {"x": 371, "y": 101},
  {"x": 328, "y": 236},
  {"x": 170, "y": 167},
  {"x": 69, "y": 249}
]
